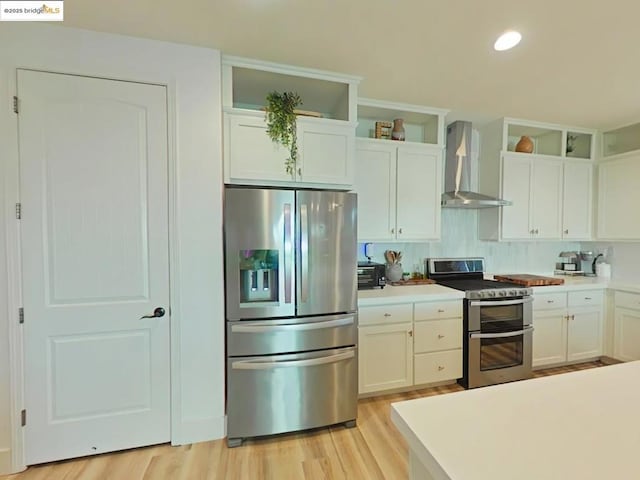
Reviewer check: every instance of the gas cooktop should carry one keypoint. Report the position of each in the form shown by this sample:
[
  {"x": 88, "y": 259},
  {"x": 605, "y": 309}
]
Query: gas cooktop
[{"x": 467, "y": 274}]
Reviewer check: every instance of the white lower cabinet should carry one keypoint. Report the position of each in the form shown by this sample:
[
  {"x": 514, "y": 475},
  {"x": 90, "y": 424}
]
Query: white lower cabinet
[
  {"x": 385, "y": 347},
  {"x": 627, "y": 326},
  {"x": 409, "y": 344},
  {"x": 567, "y": 327}
]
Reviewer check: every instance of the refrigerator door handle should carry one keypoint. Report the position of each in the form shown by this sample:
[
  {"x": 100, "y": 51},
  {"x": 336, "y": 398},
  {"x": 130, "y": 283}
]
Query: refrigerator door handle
[
  {"x": 265, "y": 365},
  {"x": 304, "y": 252},
  {"x": 266, "y": 327},
  {"x": 288, "y": 253}
]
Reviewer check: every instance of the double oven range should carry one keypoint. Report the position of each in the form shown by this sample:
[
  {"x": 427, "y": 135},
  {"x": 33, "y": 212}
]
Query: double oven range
[{"x": 497, "y": 341}]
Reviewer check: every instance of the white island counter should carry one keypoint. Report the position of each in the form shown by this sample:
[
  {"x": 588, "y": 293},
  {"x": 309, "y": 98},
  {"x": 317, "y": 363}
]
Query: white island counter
[{"x": 581, "y": 425}]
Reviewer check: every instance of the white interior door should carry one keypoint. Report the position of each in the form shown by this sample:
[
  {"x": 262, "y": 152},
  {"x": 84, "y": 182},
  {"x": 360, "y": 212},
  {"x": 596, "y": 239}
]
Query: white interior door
[{"x": 94, "y": 228}]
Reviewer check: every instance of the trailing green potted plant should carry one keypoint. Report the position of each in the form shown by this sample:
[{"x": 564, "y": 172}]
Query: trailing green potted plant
[{"x": 281, "y": 124}]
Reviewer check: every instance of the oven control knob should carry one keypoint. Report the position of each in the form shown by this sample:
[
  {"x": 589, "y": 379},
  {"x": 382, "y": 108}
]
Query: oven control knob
[
  {"x": 503, "y": 294},
  {"x": 513, "y": 293},
  {"x": 491, "y": 294}
]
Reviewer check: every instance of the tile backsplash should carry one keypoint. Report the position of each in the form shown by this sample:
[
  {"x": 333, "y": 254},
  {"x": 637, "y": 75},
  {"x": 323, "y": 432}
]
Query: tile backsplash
[{"x": 459, "y": 238}]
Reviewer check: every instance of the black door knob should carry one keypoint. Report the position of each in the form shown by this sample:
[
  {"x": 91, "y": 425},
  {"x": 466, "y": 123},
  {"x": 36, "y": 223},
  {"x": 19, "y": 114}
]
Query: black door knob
[{"x": 157, "y": 313}]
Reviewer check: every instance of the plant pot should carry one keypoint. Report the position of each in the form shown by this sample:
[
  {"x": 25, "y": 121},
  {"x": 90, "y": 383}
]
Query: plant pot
[{"x": 394, "y": 272}]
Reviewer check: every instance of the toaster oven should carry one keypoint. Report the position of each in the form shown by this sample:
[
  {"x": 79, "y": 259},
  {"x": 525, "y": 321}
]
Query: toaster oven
[{"x": 371, "y": 275}]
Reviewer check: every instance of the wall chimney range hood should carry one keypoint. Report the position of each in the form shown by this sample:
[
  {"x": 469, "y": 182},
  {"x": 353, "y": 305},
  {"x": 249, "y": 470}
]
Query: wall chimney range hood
[{"x": 457, "y": 172}]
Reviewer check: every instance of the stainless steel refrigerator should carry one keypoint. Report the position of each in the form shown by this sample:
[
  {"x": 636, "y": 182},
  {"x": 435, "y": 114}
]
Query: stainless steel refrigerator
[{"x": 291, "y": 301}]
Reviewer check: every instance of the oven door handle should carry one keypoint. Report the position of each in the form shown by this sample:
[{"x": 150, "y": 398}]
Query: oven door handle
[
  {"x": 502, "y": 303},
  {"x": 501, "y": 335}
]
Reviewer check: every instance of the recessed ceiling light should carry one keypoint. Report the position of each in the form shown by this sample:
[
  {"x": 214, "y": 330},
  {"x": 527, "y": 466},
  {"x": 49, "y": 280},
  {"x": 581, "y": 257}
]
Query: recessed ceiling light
[{"x": 507, "y": 40}]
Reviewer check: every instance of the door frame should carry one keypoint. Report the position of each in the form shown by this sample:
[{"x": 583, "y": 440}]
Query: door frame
[{"x": 188, "y": 73}]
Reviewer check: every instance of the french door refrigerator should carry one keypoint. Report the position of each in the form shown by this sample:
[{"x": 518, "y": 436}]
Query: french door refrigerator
[{"x": 291, "y": 310}]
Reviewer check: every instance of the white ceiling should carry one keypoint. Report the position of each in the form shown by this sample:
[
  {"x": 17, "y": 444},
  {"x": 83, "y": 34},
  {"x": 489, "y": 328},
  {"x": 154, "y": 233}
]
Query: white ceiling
[{"x": 578, "y": 62}]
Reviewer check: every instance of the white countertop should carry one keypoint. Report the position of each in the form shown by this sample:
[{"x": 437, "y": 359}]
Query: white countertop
[
  {"x": 407, "y": 293},
  {"x": 580, "y": 425}
]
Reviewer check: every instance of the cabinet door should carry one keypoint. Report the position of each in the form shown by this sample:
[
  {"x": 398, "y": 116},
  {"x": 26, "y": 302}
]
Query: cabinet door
[
  {"x": 516, "y": 187},
  {"x": 419, "y": 190},
  {"x": 549, "y": 337},
  {"x": 618, "y": 192},
  {"x": 375, "y": 184},
  {"x": 577, "y": 200},
  {"x": 249, "y": 152},
  {"x": 627, "y": 336},
  {"x": 385, "y": 357},
  {"x": 546, "y": 196},
  {"x": 325, "y": 153},
  {"x": 584, "y": 336}
]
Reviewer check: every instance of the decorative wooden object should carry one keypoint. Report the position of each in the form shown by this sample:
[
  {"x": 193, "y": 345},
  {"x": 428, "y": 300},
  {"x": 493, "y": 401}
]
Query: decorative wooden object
[{"x": 383, "y": 130}]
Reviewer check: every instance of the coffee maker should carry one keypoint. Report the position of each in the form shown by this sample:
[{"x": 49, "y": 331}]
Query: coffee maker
[{"x": 569, "y": 263}]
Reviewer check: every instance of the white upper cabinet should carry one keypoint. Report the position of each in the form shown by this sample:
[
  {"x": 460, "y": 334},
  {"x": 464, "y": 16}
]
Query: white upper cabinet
[
  {"x": 577, "y": 200},
  {"x": 617, "y": 184},
  {"x": 618, "y": 196},
  {"x": 326, "y": 125},
  {"x": 399, "y": 183},
  {"x": 551, "y": 187}
]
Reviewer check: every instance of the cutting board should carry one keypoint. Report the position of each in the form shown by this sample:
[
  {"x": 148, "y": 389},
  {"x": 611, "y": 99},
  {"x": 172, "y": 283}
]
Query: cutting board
[{"x": 528, "y": 280}]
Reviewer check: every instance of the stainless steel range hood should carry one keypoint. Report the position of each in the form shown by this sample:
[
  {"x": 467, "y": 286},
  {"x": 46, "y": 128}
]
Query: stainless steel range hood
[{"x": 457, "y": 172}]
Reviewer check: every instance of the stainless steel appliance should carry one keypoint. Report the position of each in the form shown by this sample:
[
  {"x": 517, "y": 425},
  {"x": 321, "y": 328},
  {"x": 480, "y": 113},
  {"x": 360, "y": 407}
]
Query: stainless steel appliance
[
  {"x": 497, "y": 341},
  {"x": 569, "y": 264},
  {"x": 291, "y": 299},
  {"x": 371, "y": 275},
  {"x": 461, "y": 169}
]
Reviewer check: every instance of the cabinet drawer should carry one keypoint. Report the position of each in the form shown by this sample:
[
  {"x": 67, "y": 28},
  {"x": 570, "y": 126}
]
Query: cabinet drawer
[
  {"x": 585, "y": 298},
  {"x": 435, "y": 310},
  {"x": 437, "y": 366},
  {"x": 549, "y": 301},
  {"x": 385, "y": 314},
  {"x": 435, "y": 335},
  {"x": 628, "y": 300}
]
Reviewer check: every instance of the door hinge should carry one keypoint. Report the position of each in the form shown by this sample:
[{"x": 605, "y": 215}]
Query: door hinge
[
  {"x": 21, "y": 315},
  {"x": 15, "y": 104},
  {"x": 18, "y": 211},
  {"x": 23, "y": 417}
]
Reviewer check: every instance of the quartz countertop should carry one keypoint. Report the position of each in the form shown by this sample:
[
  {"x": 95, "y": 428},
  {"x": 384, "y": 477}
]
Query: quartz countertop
[
  {"x": 576, "y": 425},
  {"x": 434, "y": 292},
  {"x": 407, "y": 293}
]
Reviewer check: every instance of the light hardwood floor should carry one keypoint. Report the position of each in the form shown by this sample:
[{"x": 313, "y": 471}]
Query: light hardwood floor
[{"x": 372, "y": 450}]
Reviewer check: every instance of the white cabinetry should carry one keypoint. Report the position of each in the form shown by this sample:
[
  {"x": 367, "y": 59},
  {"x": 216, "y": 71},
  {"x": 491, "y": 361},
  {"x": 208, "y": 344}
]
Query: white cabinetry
[
  {"x": 534, "y": 185},
  {"x": 385, "y": 347},
  {"x": 618, "y": 196},
  {"x": 399, "y": 184},
  {"x": 326, "y": 146},
  {"x": 577, "y": 200},
  {"x": 551, "y": 188},
  {"x": 567, "y": 327},
  {"x": 437, "y": 343},
  {"x": 395, "y": 350},
  {"x": 627, "y": 326},
  {"x": 399, "y": 189}
]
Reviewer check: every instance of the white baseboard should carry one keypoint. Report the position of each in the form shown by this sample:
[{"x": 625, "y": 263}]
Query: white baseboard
[{"x": 200, "y": 430}]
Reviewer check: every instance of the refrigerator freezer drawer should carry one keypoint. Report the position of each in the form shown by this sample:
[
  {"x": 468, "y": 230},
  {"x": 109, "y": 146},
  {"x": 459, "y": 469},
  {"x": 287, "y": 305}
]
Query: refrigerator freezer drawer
[
  {"x": 285, "y": 393},
  {"x": 266, "y": 337}
]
